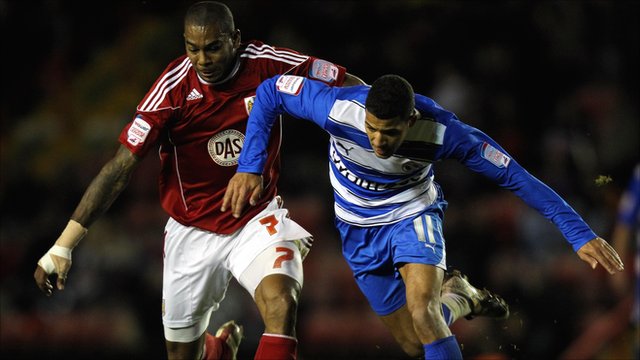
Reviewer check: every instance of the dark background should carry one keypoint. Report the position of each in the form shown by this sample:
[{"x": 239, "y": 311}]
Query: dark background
[{"x": 556, "y": 83}]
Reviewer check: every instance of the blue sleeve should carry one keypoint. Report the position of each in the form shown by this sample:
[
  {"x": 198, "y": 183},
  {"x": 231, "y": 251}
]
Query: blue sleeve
[
  {"x": 297, "y": 96},
  {"x": 480, "y": 153}
]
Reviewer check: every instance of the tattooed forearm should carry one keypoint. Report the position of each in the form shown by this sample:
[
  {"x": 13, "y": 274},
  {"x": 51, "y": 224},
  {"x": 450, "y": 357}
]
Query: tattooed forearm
[{"x": 105, "y": 187}]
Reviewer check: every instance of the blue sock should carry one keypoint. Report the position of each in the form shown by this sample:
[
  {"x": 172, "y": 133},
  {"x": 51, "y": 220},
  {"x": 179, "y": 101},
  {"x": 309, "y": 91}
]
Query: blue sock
[
  {"x": 445, "y": 349},
  {"x": 448, "y": 317}
]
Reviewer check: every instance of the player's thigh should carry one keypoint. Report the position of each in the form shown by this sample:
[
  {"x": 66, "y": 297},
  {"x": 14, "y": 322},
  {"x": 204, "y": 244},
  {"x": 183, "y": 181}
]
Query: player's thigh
[
  {"x": 195, "y": 279},
  {"x": 276, "y": 270},
  {"x": 419, "y": 240},
  {"x": 423, "y": 283},
  {"x": 268, "y": 244},
  {"x": 372, "y": 265}
]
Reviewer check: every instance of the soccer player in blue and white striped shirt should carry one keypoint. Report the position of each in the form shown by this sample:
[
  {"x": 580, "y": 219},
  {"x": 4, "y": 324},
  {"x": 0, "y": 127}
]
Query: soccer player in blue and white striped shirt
[{"x": 383, "y": 142}]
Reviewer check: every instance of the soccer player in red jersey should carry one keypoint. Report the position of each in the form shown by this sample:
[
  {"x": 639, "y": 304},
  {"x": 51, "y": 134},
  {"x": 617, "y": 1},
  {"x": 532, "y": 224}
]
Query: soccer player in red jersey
[{"x": 196, "y": 113}]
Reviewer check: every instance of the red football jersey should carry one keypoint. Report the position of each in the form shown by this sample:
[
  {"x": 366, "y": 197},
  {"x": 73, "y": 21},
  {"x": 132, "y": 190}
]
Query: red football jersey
[{"x": 200, "y": 128}]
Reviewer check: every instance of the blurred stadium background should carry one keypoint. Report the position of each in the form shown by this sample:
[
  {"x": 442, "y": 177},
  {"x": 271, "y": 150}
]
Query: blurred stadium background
[{"x": 556, "y": 83}]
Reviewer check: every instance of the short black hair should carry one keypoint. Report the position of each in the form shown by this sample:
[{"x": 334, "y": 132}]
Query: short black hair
[
  {"x": 205, "y": 13},
  {"x": 390, "y": 96}
]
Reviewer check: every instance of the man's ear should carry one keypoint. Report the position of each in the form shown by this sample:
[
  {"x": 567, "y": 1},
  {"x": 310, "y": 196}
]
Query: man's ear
[
  {"x": 414, "y": 117},
  {"x": 236, "y": 39}
]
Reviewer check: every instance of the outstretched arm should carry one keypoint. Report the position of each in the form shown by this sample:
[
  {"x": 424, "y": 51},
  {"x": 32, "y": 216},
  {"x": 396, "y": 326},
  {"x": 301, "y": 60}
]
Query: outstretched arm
[
  {"x": 101, "y": 193},
  {"x": 482, "y": 154}
]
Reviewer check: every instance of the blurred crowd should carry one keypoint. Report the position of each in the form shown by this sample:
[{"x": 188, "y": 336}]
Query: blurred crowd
[{"x": 554, "y": 82}]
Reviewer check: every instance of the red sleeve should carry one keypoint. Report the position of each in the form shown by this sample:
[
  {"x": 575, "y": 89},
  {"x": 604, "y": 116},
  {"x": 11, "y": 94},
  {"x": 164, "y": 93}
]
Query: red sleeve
[
  {"x": 275, "y": 60},
  {"x": 156, "y": 109},
  {"x": 141, "y": 134}
]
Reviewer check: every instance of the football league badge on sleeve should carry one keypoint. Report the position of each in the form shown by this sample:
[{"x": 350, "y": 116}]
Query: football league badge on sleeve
[
  {"x": 290, "y": 84},
  {"x": 138, "y": 131},
  {"x": 324, "y": 71},
  {"x": 495, "y": 156}
]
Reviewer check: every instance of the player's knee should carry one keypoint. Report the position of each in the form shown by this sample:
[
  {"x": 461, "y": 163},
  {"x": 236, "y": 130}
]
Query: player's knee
[
  {"x": 277, "y": 299},
  {"x": 279, "y": 304},
  {"x": 426, "y": 313}
]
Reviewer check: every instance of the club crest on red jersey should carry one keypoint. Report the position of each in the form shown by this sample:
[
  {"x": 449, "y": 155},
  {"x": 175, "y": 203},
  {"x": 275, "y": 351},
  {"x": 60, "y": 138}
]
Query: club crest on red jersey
[
  {"x": 224, "y": 147},
  {"x": 248, "y": 103}
]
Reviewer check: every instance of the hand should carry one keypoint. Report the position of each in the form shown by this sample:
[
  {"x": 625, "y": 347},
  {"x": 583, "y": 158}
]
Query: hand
[
  {"x": 598, "y": 251},
  {"x": 50, "y": 264},
  {"x": 240, "y": 187}
]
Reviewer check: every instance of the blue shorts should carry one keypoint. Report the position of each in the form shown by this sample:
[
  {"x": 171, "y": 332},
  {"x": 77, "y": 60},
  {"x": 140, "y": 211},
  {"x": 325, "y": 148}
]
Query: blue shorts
[{"x": 374, "y": 254}]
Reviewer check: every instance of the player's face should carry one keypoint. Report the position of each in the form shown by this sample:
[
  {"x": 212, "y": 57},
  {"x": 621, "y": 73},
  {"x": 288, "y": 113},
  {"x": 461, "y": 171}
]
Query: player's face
[
  {"x": 212, "y": 53},
  {"x": 386, "y": 135}
]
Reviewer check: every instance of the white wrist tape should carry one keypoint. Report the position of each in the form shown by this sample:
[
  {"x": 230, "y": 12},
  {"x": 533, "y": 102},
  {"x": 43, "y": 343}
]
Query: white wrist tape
[
  {"x": 46, "y": 262},
  {"x": 70, "y": 237}
]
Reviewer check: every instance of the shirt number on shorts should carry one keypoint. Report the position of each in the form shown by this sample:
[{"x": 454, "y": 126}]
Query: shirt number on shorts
[
  {"x": 288, "y": 255},
  {"x": 270, "y": 222}
]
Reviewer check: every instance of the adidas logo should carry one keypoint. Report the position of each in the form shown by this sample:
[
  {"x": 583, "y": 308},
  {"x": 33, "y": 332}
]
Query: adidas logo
[{"x": 194, "y": 95}]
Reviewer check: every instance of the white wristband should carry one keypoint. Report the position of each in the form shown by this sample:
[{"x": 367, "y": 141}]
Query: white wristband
[
  {"x": 46, "y": 262},
  {"x": 61, "y": 251}
]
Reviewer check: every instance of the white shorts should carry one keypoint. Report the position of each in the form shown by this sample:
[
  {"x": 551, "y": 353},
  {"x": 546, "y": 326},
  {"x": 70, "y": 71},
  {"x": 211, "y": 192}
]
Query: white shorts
[{"x": 198, "y": 266}]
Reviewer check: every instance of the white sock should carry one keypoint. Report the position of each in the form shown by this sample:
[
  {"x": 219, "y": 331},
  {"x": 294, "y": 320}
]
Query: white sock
[{"x": 457, "y": 304}]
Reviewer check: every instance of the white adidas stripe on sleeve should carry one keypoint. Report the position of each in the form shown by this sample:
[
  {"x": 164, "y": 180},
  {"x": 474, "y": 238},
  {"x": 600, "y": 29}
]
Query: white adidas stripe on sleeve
[{"x": 168, "y": 82}]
